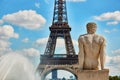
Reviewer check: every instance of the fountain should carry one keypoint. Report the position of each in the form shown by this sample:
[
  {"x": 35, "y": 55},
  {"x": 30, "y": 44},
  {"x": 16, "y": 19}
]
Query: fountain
[{"x": 14, "y": 66}]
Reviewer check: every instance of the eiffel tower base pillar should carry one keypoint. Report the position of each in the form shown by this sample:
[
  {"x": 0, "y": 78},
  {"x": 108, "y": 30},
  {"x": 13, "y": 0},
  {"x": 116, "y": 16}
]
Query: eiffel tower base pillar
[{"x": 93, "y": 75}]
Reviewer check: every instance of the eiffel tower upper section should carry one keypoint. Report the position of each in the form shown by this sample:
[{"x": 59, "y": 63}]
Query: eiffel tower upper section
[
  {"x": 60, "y": 28},
  {"x": 60, "y": 19}
]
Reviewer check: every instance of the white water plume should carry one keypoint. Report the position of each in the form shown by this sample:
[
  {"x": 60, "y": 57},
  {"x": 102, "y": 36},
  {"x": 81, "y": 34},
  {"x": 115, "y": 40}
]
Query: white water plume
[{"x": 16, "y": 67}]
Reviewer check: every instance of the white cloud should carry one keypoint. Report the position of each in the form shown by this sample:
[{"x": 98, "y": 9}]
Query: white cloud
[
  {"x": 109, "y": 16},
  {"x": 108, "y": 58},
  {"x": 60, "y": 45},
  {"x": 107, "y": 31},
  {"x": 30, "y": 52},
  {"x": 1, "y": 22},
  {"x": 112, "y": 23},
  {"x": 76, "y": 0},
  {"x": 112, "y": 62},
  {"x": 116, "y": 51},
  {"x": 110, "y": 31},
  {"x": 37, "y": 5},
  {"x": 60, "y": 42},
  {"x": 6, "y": 32},
  {"x": 113, "y": 65},
  {"x": 115, "y": 16},
  {"x": 75, "y": 42},
  {"x": 25, "y": 40},
  {"x": 4, "y": 44},
  {"x": 28, "y": 19},
  {"x": 41, "y": 41}
]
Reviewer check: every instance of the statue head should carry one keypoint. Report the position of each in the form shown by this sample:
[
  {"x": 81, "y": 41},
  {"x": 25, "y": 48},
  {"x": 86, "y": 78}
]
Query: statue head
[{"x": 91, "y": 27}]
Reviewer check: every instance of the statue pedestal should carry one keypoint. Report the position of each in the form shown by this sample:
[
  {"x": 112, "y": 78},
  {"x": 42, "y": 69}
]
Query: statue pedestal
[{"x": 93, "y": 75}]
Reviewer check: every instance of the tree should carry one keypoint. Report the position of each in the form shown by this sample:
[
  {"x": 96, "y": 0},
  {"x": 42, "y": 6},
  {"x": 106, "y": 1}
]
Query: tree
[{"x": 114, "y": 78}]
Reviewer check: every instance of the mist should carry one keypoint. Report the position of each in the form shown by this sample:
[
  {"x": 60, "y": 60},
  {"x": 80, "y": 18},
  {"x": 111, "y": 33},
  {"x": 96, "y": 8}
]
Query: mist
[{"x": 17, "y": 67}]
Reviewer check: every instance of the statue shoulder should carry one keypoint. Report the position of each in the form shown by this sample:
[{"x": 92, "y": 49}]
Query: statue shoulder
[
  {"x": 101, "y": 38},
  {"x": 81, "y": 37}
]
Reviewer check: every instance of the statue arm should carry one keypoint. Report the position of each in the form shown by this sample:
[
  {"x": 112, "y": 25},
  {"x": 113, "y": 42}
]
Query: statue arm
[
  {"x": 102, "y": 54},
  {"x": 81, "y": 53}
]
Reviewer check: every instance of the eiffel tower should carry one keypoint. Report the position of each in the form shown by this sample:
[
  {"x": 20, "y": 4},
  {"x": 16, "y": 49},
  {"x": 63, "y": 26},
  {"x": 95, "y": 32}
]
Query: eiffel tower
[{"x": 59, "y": 28}]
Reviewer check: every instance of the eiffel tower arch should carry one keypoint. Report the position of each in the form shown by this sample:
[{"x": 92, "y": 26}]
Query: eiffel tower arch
[{"x": 50, "y": 68}]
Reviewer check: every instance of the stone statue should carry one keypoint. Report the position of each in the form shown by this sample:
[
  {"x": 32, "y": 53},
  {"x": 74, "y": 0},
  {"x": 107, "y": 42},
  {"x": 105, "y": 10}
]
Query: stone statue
[{"x": 91, "y": 49}]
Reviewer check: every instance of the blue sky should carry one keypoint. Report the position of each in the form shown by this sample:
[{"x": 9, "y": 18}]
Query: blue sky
[{"x": 24, "y": 26}]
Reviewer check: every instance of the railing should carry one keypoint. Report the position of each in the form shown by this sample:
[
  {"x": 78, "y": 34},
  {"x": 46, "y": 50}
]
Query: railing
[{"x": 58, "y": 59}]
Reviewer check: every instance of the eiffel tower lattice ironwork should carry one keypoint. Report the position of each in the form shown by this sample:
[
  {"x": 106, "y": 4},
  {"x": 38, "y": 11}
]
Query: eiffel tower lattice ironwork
[
  {"x": 60, "y": 28},
  {"x": 50, "y": 61}
]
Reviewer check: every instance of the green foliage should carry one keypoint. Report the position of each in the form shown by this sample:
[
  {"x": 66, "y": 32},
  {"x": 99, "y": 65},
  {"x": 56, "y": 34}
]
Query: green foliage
[{"x": 114, "y": 77}]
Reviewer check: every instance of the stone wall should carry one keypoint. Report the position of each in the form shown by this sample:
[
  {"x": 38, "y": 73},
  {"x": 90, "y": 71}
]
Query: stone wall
[{"x": 93, "y": 75}]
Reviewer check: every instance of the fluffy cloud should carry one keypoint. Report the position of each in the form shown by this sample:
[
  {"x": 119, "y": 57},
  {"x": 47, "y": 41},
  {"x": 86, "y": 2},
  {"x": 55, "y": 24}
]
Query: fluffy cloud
[
  {"x": 110, "y": 31},
  {"x": 108, "y": 59},
  {"x": 37, "y": 5},
  {"x": 106, "y": 31},
  {"x": 113, "y": 65},
  {"x": 113, "y": 62},
  {"x": 28, "y": 19},
  {"x": 25, "y": 40},
  {"x": 60, "y": 42},
  {"x": 4, "y": 45},
  {"x": 116, "y": 51},
  {"x": 60, "y": 45},
  {"x": 112, "y": 23},
  {"x": 30, "y": 52},
  {"x": 1, "y": 21},
  {"x": 114, "y": 16},
  {"x": 6, "y": 32},
  {"x": 41, "y": 41}
]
